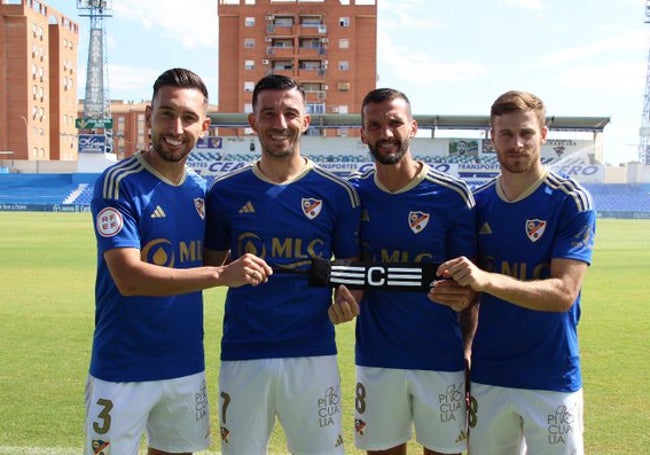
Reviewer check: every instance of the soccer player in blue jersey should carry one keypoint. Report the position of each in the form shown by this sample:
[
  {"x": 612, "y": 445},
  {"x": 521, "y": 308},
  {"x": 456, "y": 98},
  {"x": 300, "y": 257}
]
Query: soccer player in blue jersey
[
  {"x": 536, "y": 233},
  {"x": 278, "y": 352},
  {"x": 409, "y": 350},
  {"x": 147, "y": 365}
]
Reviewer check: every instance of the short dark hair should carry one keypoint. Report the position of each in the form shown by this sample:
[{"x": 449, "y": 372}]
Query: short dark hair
[
  {"x": 276, "y": 82},
  {"x": 182, "y": 78},
  {"x": 379, "y": 95}
]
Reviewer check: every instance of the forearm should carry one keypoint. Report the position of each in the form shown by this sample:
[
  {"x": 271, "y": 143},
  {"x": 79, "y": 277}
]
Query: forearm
[
  {"x": 550, "y": 294},
  {"x": 152, "y": 280}
]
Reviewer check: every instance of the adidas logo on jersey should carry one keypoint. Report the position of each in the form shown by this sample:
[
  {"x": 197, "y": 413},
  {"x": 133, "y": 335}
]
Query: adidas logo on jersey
[
  {"x": 339, "y": 441},
  {"x": 247, "y": 208},
  {"x": 158, "y": 213}
]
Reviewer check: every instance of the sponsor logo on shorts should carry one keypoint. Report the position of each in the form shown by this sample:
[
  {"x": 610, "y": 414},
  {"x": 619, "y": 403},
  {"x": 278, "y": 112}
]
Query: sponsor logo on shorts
[
  {"x": 560, "y": 426},
  {"x": 462, "y": 436},
  {"x": 201, "y": 402},
  {"x": 329, "y": 406},
  {"x": 359, "y": 426},
  {"x": 225, "y": 433},
  {"x": 101, "y": 447},
  {"x": 451, "y": 403}
]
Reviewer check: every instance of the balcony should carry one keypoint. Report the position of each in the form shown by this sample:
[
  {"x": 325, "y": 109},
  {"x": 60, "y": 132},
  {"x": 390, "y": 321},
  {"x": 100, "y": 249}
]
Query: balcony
[{"x": 280, "y": 51}]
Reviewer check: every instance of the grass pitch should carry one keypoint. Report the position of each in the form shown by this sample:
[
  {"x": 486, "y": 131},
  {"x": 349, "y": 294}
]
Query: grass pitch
[{"x": 47, "y": 270}]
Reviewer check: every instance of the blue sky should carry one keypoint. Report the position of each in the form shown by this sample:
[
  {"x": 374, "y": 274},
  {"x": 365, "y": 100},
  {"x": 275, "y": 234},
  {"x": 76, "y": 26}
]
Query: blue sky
[{"x": 582, "y": 57}]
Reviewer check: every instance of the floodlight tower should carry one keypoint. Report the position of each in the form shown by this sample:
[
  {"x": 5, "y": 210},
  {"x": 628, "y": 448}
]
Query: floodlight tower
[
  {"x": 97, "y": 102},
  {"x": 644, "y": 132}
]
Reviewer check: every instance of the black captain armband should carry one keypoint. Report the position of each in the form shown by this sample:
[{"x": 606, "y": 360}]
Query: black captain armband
[{"x": 365, "y": 275}]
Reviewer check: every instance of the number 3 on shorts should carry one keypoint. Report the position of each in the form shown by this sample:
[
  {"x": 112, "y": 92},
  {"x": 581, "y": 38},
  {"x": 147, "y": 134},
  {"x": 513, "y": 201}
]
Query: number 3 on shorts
[{"x": 104, "y": 416}]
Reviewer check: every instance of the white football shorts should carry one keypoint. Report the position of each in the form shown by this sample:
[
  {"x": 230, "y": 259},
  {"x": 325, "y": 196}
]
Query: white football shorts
[
  {"x": 389, "y": 402},
  {"x": 509, "y": 421},
  {"x": 174, "y": 413},
  {"x": 304, "y": 393}
]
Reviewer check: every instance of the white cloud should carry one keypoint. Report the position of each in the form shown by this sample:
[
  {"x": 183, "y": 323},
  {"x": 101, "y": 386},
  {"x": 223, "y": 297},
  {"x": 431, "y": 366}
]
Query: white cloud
[
  {"x": 419, "y": 66},
  {"x": 195, "y": 25},
  {"x": 634, "y": 40},
  {"x": 404, "y": 15}
]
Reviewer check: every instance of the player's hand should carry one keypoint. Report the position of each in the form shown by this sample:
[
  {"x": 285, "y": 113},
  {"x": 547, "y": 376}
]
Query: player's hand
[
  {"x": 450, "y": 293},
  {"x": 247, "y": 269},
  {"x": 464, "y": 272},
  {"x": 345, "y": 306}
]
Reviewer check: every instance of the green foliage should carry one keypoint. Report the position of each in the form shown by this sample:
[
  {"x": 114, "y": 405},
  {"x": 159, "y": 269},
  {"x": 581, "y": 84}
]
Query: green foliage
[{"x": 47, "y": 270}]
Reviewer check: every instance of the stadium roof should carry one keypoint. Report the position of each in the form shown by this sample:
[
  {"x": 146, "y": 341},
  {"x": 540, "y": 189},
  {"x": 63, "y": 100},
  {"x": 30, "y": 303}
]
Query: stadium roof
[{"x": 432, "y": 122}]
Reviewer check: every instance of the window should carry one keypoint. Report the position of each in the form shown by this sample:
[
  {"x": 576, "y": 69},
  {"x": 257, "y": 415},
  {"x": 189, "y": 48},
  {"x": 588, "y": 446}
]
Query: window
[
  {"x": 344, "y": 21},
  {"x": 249, "y": 64},
  {"x": 286, "y": 43},
  {"x": 310, "y": 43},
  {"x": 315, "y": 108},
  {"x": 249, "y": 22},
  {"x": 310, "y": 65},
  {"x": 248, "y": 108},
  {"x": 310, "y": 21},
  {"x": 283, "y": 65},
  {"x": 344, "y": 44},
  {"x": 249, "y": 43},
  {"x": 249, "y": 86},
  {"x": 283, "y": 21},
  {"x": 344, "y": 65}
]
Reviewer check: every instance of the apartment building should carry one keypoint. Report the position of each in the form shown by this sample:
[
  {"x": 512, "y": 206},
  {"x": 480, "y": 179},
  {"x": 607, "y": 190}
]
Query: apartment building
[
  {"x": 38, "y": 82},
  {"x": 329, "y": 46}
]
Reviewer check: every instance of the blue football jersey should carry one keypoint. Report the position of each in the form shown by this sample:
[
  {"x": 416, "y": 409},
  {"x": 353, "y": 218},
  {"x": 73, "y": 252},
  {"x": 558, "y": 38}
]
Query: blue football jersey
[
  {"x": 514, "y": 346},
  {"x": 147, "y": 338},
  {"x": 430, "y": 220},
  {"x": 316, "y": 215}
]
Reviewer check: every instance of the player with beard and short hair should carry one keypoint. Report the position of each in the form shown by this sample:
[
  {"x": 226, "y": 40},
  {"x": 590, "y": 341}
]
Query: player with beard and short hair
[
  {"x": 535, "y": 237},
  {"x": 278, "y": 350},
  {"x": 147, "y": 371},
  {"x": 409, "y": 350}
]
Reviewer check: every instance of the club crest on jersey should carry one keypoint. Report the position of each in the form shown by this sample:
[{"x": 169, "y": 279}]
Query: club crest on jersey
[
  {"x": 418, "y": 221},
  {"x": 535, "y": 229},
  {"x": 311, "y": 207},
  {"x": 199, "y": 204}
]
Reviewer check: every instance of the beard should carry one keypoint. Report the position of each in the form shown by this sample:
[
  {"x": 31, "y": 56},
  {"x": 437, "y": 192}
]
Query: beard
[
  {"x": 164, "y": 150},
  {"x": 518, "y": 165},
  {"x": 393, "y": 158}
]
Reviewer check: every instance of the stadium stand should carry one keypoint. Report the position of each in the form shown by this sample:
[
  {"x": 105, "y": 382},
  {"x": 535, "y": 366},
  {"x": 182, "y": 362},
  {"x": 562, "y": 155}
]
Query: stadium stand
[
  {"x": 54, "y": 189},
  {"x": 619, "y": 197},
  {"x": 23, "y": 191}
]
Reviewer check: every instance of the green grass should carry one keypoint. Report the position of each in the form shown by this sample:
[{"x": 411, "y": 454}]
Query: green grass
[{"x": 47, "y": 270}]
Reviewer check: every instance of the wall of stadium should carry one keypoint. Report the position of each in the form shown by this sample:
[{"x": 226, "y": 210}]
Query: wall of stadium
[{"x": 473, "y": 160}]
